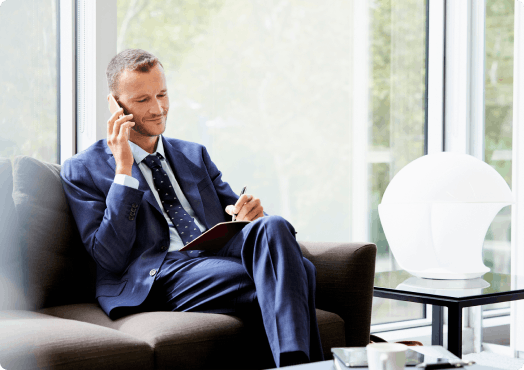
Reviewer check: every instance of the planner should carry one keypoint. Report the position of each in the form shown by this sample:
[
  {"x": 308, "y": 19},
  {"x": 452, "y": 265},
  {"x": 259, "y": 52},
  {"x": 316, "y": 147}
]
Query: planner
[{"x": 217, "y": 237}]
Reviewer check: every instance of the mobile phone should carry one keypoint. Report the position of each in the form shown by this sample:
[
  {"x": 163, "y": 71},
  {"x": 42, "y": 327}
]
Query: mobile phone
[{"x": 113, "y": 105}]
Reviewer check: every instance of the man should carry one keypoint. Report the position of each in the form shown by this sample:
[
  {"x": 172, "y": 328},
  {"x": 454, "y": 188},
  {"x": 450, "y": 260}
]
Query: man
[{"x": 138, "y": 197}]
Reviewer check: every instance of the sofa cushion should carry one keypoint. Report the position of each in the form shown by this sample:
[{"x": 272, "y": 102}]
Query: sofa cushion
[
  {"x": 30, "y": 340},
  {"x": 57, "y": 269},
  {"x": 188, "y": 340},
  {"x": 11, "y": 288}
]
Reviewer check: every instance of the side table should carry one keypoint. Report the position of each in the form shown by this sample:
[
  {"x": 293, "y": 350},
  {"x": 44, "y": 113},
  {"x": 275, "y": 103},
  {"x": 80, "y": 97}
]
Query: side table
[{"x": 453, "y": 294}]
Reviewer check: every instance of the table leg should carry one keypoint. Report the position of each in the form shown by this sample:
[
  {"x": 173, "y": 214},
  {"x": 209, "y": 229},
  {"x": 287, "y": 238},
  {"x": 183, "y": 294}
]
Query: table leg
[
  {"x": 437, "y": 325},
  {"x": 455, "y": 330}
]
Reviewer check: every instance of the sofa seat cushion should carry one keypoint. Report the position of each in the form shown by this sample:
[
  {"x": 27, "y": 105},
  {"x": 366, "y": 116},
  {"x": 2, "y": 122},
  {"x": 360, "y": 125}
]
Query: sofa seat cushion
[
  {"x": 31, "y": 340},
  {"x": 191, "y": 340}
]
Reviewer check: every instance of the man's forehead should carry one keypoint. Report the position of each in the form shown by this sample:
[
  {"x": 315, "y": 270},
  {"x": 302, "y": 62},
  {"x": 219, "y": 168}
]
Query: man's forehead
[{"x": 136, "y": 82}]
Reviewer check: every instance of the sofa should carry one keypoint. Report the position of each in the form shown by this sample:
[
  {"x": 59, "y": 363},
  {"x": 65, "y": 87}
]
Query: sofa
[{"x": 50, "y": 318}]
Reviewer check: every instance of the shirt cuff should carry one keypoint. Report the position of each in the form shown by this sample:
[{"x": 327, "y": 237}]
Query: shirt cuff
[{"x": 126, "y": 180}]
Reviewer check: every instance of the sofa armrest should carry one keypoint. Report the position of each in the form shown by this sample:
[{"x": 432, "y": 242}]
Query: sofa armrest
[{"x": 345, "y": 276}]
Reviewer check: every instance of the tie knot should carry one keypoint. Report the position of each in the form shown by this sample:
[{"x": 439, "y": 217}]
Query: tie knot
[{"x": 153, "y": 161}]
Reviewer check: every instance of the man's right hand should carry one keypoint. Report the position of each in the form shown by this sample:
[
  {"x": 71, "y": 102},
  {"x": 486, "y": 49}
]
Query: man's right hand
[{"x": 117, "y": 136}]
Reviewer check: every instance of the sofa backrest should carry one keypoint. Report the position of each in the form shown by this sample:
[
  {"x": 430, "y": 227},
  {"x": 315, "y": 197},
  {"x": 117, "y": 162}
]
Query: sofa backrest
[
  {"x": 56, "y": 267},
  {"x": 11, "y": 284}
]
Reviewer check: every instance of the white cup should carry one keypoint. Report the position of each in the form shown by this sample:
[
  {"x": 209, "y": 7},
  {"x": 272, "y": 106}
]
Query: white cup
[{"x": 386, "y": 356}]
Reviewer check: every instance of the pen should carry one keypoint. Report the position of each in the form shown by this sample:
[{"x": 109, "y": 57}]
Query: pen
[
  {"x": 446, "y": 365},
  {"x": 241, "y": 193},
  {"x": 441, "y": 365}
]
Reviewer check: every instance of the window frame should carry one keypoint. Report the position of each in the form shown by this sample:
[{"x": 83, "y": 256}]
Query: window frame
[
  {"x": 96, "y": 40},
  {"x": 66, "y": 80},
  {"x": 517, "y": 216}
]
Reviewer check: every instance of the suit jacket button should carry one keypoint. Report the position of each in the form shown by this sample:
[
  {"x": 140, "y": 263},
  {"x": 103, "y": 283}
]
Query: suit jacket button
[
  {"x": 163, "y": 248},
  {"x": 131, "y": 218},
  {"x": 134, "y": 205},
  {"x": 152, "y": 272}
]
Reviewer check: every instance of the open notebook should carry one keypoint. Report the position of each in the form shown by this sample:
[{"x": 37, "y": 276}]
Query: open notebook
[{"x": 217, "y": 237}]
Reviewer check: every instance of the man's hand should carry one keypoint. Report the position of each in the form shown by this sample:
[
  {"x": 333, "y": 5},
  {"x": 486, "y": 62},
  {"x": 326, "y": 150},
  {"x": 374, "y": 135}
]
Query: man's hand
[
  {"x": 247, "y": 208},
  {"x": 117, "y": 136}
]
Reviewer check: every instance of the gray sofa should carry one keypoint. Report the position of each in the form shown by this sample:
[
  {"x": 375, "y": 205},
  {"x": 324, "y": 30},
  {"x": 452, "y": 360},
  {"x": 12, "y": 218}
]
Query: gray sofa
[{"x": 50, "y": 319}]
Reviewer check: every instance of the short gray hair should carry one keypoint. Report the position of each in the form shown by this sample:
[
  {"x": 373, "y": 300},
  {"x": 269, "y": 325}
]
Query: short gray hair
[{"x": 131, "y": 59}]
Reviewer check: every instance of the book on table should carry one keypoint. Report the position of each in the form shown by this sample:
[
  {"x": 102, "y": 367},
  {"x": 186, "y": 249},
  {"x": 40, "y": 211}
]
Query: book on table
[{"x": 216, "y": 238}]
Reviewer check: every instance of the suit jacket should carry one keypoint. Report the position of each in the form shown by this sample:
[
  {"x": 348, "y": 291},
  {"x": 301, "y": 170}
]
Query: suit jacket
[{"x": 124, "y": 229}]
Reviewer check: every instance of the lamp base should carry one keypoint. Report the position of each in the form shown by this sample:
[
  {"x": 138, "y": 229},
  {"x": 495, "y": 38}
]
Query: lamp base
[{"x": 441, "y": 274}]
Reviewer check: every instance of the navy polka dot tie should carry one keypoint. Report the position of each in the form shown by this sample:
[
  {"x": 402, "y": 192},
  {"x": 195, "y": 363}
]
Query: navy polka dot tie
[{"x": 183, "y": 222}]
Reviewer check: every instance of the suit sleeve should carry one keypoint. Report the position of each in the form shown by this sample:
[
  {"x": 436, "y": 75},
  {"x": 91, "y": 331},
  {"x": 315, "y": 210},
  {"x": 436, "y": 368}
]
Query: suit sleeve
[
  {"x": 107, "y": 224},
  {"x": 226, "y": 195}
]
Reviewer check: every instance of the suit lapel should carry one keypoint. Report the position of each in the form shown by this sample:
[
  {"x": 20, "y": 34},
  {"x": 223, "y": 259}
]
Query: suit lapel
[
  {"x": 179, "y": 163},
  {"x": 137, "y": 174}
]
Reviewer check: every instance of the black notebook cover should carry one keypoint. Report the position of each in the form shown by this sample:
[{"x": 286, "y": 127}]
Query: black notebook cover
[{"x": 215, "y": 238}]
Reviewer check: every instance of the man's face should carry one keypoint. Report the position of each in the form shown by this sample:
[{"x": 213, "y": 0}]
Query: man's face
[{"x": 145, "y": 96}]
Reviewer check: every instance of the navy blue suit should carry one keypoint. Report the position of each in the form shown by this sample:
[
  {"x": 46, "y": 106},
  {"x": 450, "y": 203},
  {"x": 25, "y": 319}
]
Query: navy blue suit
[{"x": 262, "y": 264}]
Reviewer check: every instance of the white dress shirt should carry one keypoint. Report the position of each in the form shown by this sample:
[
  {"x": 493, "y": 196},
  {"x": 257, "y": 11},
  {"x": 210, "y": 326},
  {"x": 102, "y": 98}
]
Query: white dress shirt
[{"x": 139, "y": 154}]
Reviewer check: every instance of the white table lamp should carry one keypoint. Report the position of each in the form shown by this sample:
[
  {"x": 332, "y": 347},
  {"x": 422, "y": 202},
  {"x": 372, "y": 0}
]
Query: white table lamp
[{"x": 436, "y": 212}]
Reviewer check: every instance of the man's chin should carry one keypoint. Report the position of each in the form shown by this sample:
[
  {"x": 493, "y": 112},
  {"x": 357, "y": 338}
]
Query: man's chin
[{"x": 150, "y": 132}]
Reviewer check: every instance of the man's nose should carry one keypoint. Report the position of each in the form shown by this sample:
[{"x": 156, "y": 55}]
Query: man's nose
[{"x": 157, "y": 107}]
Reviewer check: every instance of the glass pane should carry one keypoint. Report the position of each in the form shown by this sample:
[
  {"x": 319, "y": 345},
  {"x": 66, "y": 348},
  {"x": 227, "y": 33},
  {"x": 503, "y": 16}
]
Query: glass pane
[
  {"x": 398, "y": 54},
  {"x": 264, "y": 86},
  {"x": 268, "y": 87},
  {"x": 498, "y": 125},
  {"x": 28, "y": 77}
]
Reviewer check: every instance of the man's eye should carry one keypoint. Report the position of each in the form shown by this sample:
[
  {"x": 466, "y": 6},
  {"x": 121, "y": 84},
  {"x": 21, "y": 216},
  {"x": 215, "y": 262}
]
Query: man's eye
[
  {"x": 141, "y": 101},
  {"x": 162, "y": 95}
]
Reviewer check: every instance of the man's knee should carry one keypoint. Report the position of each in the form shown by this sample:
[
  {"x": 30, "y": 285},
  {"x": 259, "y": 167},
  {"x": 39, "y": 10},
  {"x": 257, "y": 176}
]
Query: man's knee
[{"x": 275, "y": 222}]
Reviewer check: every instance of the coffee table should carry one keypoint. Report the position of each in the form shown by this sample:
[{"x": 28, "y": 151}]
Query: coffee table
[
  {"x": 328, "y": 365},
  {"x": 453, "y": 294}
]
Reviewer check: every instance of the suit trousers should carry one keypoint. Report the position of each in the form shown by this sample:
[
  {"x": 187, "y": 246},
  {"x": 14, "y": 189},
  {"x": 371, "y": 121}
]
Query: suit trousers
[{"x": 261, "y": 265}]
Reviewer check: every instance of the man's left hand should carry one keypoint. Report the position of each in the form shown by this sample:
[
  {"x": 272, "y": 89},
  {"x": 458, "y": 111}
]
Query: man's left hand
[{"x": 247, "y": 208}]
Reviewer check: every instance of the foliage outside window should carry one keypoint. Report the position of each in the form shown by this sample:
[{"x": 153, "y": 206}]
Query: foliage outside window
[
  {"x": 267, "y": 87},
  {"x": 499, "y": 125},
  {"x": 28, "y": 77}
]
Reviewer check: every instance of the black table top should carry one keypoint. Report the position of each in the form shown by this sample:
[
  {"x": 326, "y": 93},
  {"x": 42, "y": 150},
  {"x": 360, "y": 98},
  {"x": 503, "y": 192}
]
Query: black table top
[{"x": 491, "y": 283}]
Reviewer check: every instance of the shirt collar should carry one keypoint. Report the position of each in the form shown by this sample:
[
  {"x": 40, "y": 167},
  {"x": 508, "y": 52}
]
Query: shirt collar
[{"x": 139, "y": 154}]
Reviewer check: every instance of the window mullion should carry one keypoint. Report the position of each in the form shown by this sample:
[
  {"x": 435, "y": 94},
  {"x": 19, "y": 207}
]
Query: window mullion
[
  {"x": 360, "y": 121},
  {"x": 67, "y": 80},
  {"x": 96, "y": 40},
  {"x": 477, "y": 79},
  {"x": 457, "y": 84},
  {"x": 517, "y": 216},
  {"x": 436, "y": 44}
]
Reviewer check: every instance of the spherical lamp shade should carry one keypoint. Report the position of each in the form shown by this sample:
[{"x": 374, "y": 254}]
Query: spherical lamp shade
[{"x": 436, "y": 212}]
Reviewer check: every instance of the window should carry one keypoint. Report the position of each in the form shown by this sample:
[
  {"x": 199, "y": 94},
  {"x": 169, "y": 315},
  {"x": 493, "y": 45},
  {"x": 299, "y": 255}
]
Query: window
[
  {"x": 499, "y": 125},
  {"x": 28, "y": 123},
  {"x": 282, "y": 94}
]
